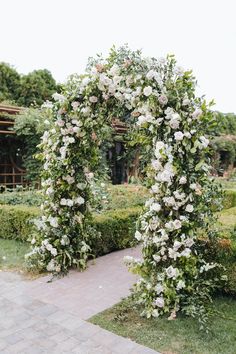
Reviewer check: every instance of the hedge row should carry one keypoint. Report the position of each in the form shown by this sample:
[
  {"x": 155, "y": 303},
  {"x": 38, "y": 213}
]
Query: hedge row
[
  {"x": 114, "y": 229},
  {"x": 229, "y": 199}
]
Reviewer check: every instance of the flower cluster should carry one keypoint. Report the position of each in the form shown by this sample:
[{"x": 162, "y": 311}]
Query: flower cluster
[{"x": 160, "y": 98}]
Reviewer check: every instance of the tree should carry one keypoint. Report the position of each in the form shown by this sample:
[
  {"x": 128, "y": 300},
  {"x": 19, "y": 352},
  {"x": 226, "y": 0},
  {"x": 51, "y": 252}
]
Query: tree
[
  {"x": 9, "y": 83},
  {"x": 36, "y": 87}
]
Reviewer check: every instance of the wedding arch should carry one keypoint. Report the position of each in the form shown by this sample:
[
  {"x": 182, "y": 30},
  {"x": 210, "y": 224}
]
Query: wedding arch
[{"x": 160, "y": 99}]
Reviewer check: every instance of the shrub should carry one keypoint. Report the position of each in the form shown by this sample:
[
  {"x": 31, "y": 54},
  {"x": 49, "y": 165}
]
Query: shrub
[
  {"x": 29, "y": 198},
  {"x": 114, "y": 229},
  {"x": 229, "y": 200},
  {"x": 16, "y": 221}
]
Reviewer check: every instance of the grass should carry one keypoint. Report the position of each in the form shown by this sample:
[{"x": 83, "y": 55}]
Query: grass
[
  {"x": 181, "y": 336},
  {"x": 12, "y": 254}
]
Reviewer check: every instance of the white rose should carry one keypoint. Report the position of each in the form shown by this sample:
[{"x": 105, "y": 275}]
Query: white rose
[
  {"x": 186, "y": 252},
  {"x": 197, "y": 113},
  {"x": 186, "y": 102},
  {"x": 183, "y": 180},
  {"x": 138, "y": 235},
  {"x": 189, "y": 208},
  {"x": 155, "y": 188},
  {"x": 179, "y": 136},
  {"x": 156, "y": 258},
  {"x": 63, "y": 201},
  {"x": 159, "y": 288},
  {"x": 174, "y": 123},
  {"x": 57, "y": 97},
  {"x": 180, "y": 285},
  {"x": 204, "y": 141},
  {"x": 163, "y": 100},
  {"x": 79, "y": 200},
  {"x": 172, "y": 272},
  {"x": 159, "y": 302},
  {"x": 155, "y": 207},
  {"x": 177, "y": 224},
  {"x": 69, "y": 202},
  {"x": 93, "y": 99},
  {"x": 147, "y": 91}
]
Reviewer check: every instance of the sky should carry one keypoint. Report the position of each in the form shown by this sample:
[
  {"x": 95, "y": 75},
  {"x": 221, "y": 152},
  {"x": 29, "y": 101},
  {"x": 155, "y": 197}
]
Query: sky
[{"x": 60, "y": 35}]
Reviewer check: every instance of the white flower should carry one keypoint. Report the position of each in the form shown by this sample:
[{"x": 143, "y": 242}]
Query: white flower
[
  {"x": 189, "y": 208},
  {"x": 75, "y": 105},
  {"x": 197, "y": 113},
  {"x": 49, "y": 191},
  {"x": 177, "y": 224},
  {"x": 155, "y": 207},
  {"x": 189, "y": 242},
  {"x": 178, "y": 136},
  {"x": 138, "y": 235},
  {"x": 70, "y": 202},
  {"x": 93, "y": 99},
  {"x": 186, "y": 102},
  {"x": 156, "y": 258},
  {"x": 147, "y": 91},
  {"x": 204, "y": 141},
  {"x": 53, "y": 252},
  {"x": 159, "y": 288},
  {"x": 163, "y": 100},
  {"x": 79, "y": 200},
  {"x": 156, "y": 165},
  {"x": 193, "y": 186},
  {"x": 174, "y": 123},
  {"x": 183, "y": 180},
  {"x": 172, "y": 272},
  {"x": 58, "y": 97},
  {"x": 180, "y": 285},
  {"x": 53, "y": 221},
  {"x": 63, "y": 201},
  {"x": 155, "y": 188},
  {"x": 169, "y": 201},
  {"x": 159, "y": 302},
  {"x": 186, "y": 252}
]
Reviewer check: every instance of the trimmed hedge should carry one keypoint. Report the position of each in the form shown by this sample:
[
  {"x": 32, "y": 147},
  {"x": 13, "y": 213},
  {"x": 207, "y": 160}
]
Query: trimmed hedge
[
  {"x": 229, "y": 199},
  {"x": 114, "y": 229},
  {"x": 16, "y": 221}
]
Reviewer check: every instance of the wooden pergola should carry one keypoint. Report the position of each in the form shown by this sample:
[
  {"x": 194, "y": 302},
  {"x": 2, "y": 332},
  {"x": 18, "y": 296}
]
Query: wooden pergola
[{"x": 11, "y": 173}]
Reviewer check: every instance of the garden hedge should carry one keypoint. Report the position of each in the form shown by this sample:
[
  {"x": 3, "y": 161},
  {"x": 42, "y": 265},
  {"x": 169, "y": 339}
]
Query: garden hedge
[{"x": 114, "y": 229}]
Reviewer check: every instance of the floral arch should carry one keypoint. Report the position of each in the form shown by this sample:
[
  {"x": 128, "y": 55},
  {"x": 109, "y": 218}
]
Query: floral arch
[{"x": 171, "y": 122}]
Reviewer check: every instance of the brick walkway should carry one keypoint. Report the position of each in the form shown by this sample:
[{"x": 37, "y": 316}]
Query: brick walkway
[{"x": 41, "y": 317}]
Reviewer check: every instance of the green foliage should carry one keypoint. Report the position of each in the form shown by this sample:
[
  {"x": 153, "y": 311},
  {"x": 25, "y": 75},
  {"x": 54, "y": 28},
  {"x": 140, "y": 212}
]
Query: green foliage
[
  {"x": 226, "y": 123},
  {"x": 26, "y": 90},
  {"x": 16, "y": 222},
  {"x": 30, "y": 125},
  {"x": 14, "y": 197},
  {"x": 229, "y": 200},
  {"x": 9, "y": 83},
  {"x": 36, "y": 87},
  {"x": 112, "y": 230}
]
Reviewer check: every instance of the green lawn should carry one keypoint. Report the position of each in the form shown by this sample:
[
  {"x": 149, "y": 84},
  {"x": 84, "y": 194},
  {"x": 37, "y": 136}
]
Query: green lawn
[
  {"x": 12, "y": 254},
  {"x": 181, "y": 336}
]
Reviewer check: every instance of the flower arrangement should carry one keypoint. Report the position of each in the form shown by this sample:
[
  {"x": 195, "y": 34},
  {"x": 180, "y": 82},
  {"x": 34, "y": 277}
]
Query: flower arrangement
[{"x": 171, "y": 122}]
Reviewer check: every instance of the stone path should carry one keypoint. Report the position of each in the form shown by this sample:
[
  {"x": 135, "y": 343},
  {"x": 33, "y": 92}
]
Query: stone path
[{"x": 41, "y": 317}]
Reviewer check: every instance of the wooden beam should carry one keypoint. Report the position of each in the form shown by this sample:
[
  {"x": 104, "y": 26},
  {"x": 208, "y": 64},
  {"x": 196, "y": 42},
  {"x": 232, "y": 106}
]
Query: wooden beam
[
  {"x": 7, "y": 132},
  {"x": 4, "y": 122}
]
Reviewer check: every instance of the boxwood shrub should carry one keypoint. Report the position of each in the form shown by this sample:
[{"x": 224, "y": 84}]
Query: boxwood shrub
[{"x": 114, "y": 230}]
